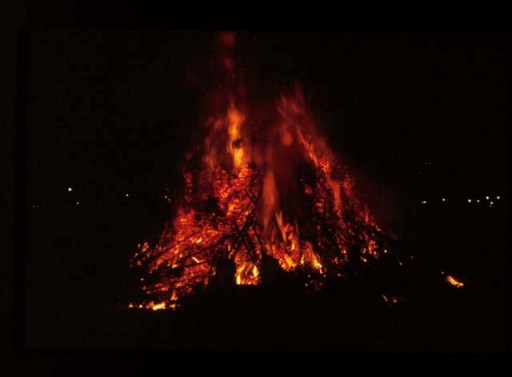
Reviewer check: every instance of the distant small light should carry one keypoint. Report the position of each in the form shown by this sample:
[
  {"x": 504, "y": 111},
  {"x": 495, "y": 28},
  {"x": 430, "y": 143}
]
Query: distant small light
[
  {"x": 70, "y": 189},
  {"x": 478, "y": 200},
  {"x": 444, "y": 200},
  {"x": 77, "y": 203},
  {"x": 486, "y": 198},
  {"x": 469, "y": 200},
  {"x": 498, "y": 197},
  {"x": 423, "y": 202},
  {"x": 492, "y": 203},
  {"x": 127, "y": 195}
]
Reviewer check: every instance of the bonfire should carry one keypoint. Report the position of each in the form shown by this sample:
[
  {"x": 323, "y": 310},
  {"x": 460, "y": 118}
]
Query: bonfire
[{"x": 259, "y": 187}]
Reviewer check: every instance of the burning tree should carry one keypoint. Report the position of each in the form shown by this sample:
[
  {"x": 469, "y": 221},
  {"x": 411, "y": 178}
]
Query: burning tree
[{"x": 259, "y": 187}]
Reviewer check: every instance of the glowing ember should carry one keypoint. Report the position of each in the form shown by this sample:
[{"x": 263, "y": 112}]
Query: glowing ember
[
  {"x": 456, "y": 283},
  {"x": 260, "y": 186}
]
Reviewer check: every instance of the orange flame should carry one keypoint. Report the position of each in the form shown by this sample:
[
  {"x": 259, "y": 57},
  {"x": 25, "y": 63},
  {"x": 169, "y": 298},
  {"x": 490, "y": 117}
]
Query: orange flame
[{"x": 247, "y": 200}]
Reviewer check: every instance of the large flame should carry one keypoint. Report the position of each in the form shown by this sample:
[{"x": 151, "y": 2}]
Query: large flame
[{"x": 270, "y": 187}]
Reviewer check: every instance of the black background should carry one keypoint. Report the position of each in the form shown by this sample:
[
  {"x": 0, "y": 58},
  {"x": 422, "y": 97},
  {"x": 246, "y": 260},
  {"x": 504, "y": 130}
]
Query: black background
[{"x": 111, "y": 112}]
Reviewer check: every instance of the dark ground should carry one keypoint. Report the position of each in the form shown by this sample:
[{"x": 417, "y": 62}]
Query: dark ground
[{"x": 82, "y": 304}]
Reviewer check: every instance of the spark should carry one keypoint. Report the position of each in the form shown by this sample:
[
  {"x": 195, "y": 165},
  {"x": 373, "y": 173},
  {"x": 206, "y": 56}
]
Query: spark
[{"x": 70, "y": 189}]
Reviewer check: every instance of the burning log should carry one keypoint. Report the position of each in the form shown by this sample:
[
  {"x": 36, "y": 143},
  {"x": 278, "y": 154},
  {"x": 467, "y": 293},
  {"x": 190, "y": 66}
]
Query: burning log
[{"x": 260, "y": 195}]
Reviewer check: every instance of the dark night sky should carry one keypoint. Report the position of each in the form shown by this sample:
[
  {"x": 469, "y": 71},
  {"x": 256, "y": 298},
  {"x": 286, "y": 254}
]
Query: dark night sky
[{"x": 113, "y": 111}]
